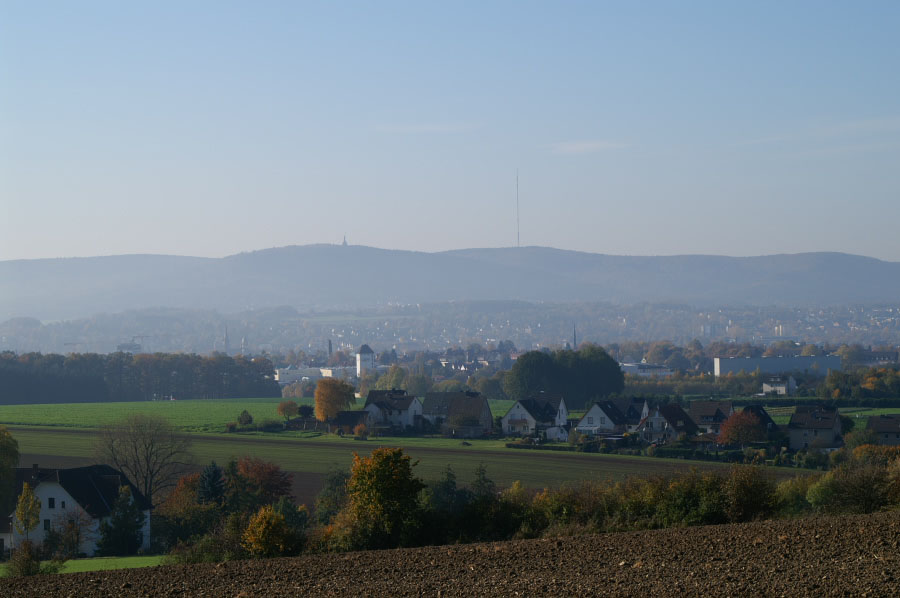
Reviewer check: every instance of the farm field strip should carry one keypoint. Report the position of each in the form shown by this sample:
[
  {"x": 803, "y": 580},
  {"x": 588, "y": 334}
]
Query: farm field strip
[
  {"x": 195, "y": 415},
  {"x": 504, "y": 466}
]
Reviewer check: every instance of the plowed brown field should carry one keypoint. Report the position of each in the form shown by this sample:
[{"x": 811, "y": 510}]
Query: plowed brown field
[{"x": 826, "y": 556}]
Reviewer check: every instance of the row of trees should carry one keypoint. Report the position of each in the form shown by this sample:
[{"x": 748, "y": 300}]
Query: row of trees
[
  {"x": 93, "y": 377},
  {"x": 381, "y": 503},
  {"x": 862, "y": 383},
  {"x": 580, "y": 376}
]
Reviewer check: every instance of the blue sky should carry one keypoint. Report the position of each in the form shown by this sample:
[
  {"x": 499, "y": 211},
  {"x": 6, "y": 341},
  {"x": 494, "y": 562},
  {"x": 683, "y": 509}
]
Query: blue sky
[{"x": 645, "y": 128}]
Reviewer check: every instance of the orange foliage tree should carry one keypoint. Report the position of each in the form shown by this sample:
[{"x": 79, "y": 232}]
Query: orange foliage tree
[
  {"x": 288, "y": 409},
  {"x": 332, "y": 396},
  {"x": 267, "y": 534},
  {"x": 382, "y": 498},
  {"x": 741, "y": 428}
]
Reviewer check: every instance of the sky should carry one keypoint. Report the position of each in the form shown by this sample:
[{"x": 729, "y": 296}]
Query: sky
[{"x": 634, "y": 128}]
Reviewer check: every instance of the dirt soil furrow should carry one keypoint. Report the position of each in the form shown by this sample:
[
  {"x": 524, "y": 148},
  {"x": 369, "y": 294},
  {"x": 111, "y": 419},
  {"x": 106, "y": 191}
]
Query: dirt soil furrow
[{"x": 814, "y": 557}]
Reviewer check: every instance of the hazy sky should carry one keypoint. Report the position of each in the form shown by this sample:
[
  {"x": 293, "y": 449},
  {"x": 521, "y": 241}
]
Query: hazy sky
[{"x": 209, "y": 128}]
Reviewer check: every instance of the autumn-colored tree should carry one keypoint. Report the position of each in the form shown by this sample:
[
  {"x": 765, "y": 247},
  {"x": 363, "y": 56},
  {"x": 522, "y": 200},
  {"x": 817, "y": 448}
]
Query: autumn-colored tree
[
  {"x": 288, "y": 409},
  {"x": 382, "y": 498},
  {"x": 184, "y": 514},
  {"x": 28, "y": 511},
  {"x": 332, "y": 396},
  {"x": 267, "y": 534},
  {"x": 741, "y": 428},
  {"x": 251, "y": 483},
  {"x": 361, "y": 431}
]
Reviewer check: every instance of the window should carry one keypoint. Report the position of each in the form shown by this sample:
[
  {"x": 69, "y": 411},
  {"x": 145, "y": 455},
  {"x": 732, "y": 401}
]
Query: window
[
  {"x": 62, "y": 504},
  {"x": 46, "y": 525},
  {"x": 51, "y": 503},
  {"x": 603, "y": 420},
  {"x": 590, "y": 420}
]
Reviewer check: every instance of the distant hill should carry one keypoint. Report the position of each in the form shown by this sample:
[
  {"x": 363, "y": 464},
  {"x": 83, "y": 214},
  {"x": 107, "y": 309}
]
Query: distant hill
[{"x": 337, "y": 277}]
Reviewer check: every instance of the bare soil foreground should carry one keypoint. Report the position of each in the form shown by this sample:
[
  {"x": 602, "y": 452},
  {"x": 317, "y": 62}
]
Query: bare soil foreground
[{"x": 827, "y": 556}]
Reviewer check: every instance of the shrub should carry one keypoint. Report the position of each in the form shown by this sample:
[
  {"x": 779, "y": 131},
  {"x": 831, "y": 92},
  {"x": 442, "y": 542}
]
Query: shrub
[
  {"x": 25, "y": 560},
  {"x": 245, "y": 419},
  {"x": 231, "y": 427},
  {"x": 361, "y": 431},
  {"x": 271, "y": 425},
  {"x": 790, "y": 495},
  {"x": 749, "y": 494},
  {"x": 851, "y": 488},
  {"x": 267, "y": 534}
]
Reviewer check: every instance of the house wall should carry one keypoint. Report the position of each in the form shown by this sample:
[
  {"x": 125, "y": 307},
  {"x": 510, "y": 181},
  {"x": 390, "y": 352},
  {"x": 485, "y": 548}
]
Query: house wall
[
  {"x": 64, "y": 506},
  {"x": 595, "y": 421},
  {"x": 655, "y": 428},
  {"x": 888, "y": 438},
  {"x": 517, "y": 412},
  {"x": 562, "y": 414},
  {"x": 801, "y": 438}
]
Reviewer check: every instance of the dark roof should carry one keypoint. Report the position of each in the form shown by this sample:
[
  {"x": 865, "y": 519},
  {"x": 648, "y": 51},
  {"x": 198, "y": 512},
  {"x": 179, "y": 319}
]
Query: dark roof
[
  {"x": 678, "y": 419},
  {"x": 365, "y": 349},
  {"x": 631, "y": 408},
  {"x": 762, "y": 415},
  {"x": 612, "y": 412},
  {"x": 813, "y": 417},
  {"x": 94, "y": 487},
  {"x": 399, "y": 404},
  {"x": 884, "y": 424},
  {"x": 351, "y": 418},
  {"x": 463, "y": 404},
  {"x": 376, "y": 396},
  {"x": 542, "y": 410},
  {"x": 710, "y": 411}
]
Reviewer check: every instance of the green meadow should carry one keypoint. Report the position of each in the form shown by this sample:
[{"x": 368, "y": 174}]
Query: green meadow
[
  {"x": 106, "y": 563},
  {"x": 198, "y": 415}
]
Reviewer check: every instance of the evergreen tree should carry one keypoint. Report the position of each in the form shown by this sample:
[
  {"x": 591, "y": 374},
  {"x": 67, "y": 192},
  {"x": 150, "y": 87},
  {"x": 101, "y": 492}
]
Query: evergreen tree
[
  {"x": 211, "y": 485},
  {"x": 122, "y": 534}
]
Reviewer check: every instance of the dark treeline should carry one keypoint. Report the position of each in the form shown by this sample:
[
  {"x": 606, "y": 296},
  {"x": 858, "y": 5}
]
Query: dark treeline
[{"x": 93, "y": 377}]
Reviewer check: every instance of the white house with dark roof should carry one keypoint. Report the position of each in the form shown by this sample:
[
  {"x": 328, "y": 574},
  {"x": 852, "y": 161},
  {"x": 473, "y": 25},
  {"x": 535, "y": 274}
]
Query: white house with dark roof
[
  {"x": 535, "y": 414},
  {"x": 394, "y": 408},
  {"x": 68, "y": 494},
  {"x": 603, "y": 419}
]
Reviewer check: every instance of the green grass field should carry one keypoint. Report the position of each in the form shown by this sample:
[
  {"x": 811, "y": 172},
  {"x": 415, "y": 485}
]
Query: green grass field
[
  {"x": 106, "y": 563},
  {"x": 200, "y": 415},
  {"x": 312, "y": 454}
]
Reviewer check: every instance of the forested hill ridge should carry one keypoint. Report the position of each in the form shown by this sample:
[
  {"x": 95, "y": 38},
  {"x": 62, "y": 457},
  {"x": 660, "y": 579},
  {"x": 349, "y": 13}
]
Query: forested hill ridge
[{"x": 337, "y": 277}]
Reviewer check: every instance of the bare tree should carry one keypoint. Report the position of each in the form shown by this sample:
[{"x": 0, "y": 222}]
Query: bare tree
[{"x": 147, "y": 449}]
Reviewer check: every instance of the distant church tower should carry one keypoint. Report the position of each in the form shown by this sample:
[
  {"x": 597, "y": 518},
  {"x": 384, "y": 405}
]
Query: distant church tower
[
  {"x": 345, "y": 240},
  {"x": 227, "y": 348},
  {"x": 243, "y": 345},
  {"x": 365, "y": 360}
]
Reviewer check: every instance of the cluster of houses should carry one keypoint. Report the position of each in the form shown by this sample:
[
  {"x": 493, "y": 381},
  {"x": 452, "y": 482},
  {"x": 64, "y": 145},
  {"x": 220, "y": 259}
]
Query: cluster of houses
[
  {"x": 467, "y": 414},
  {"x": 463, "y": 414}
]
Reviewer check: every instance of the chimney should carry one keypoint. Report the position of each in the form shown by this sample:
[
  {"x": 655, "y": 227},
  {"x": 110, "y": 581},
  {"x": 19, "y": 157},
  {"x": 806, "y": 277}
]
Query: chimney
[{"x": 34, "y": 472}]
